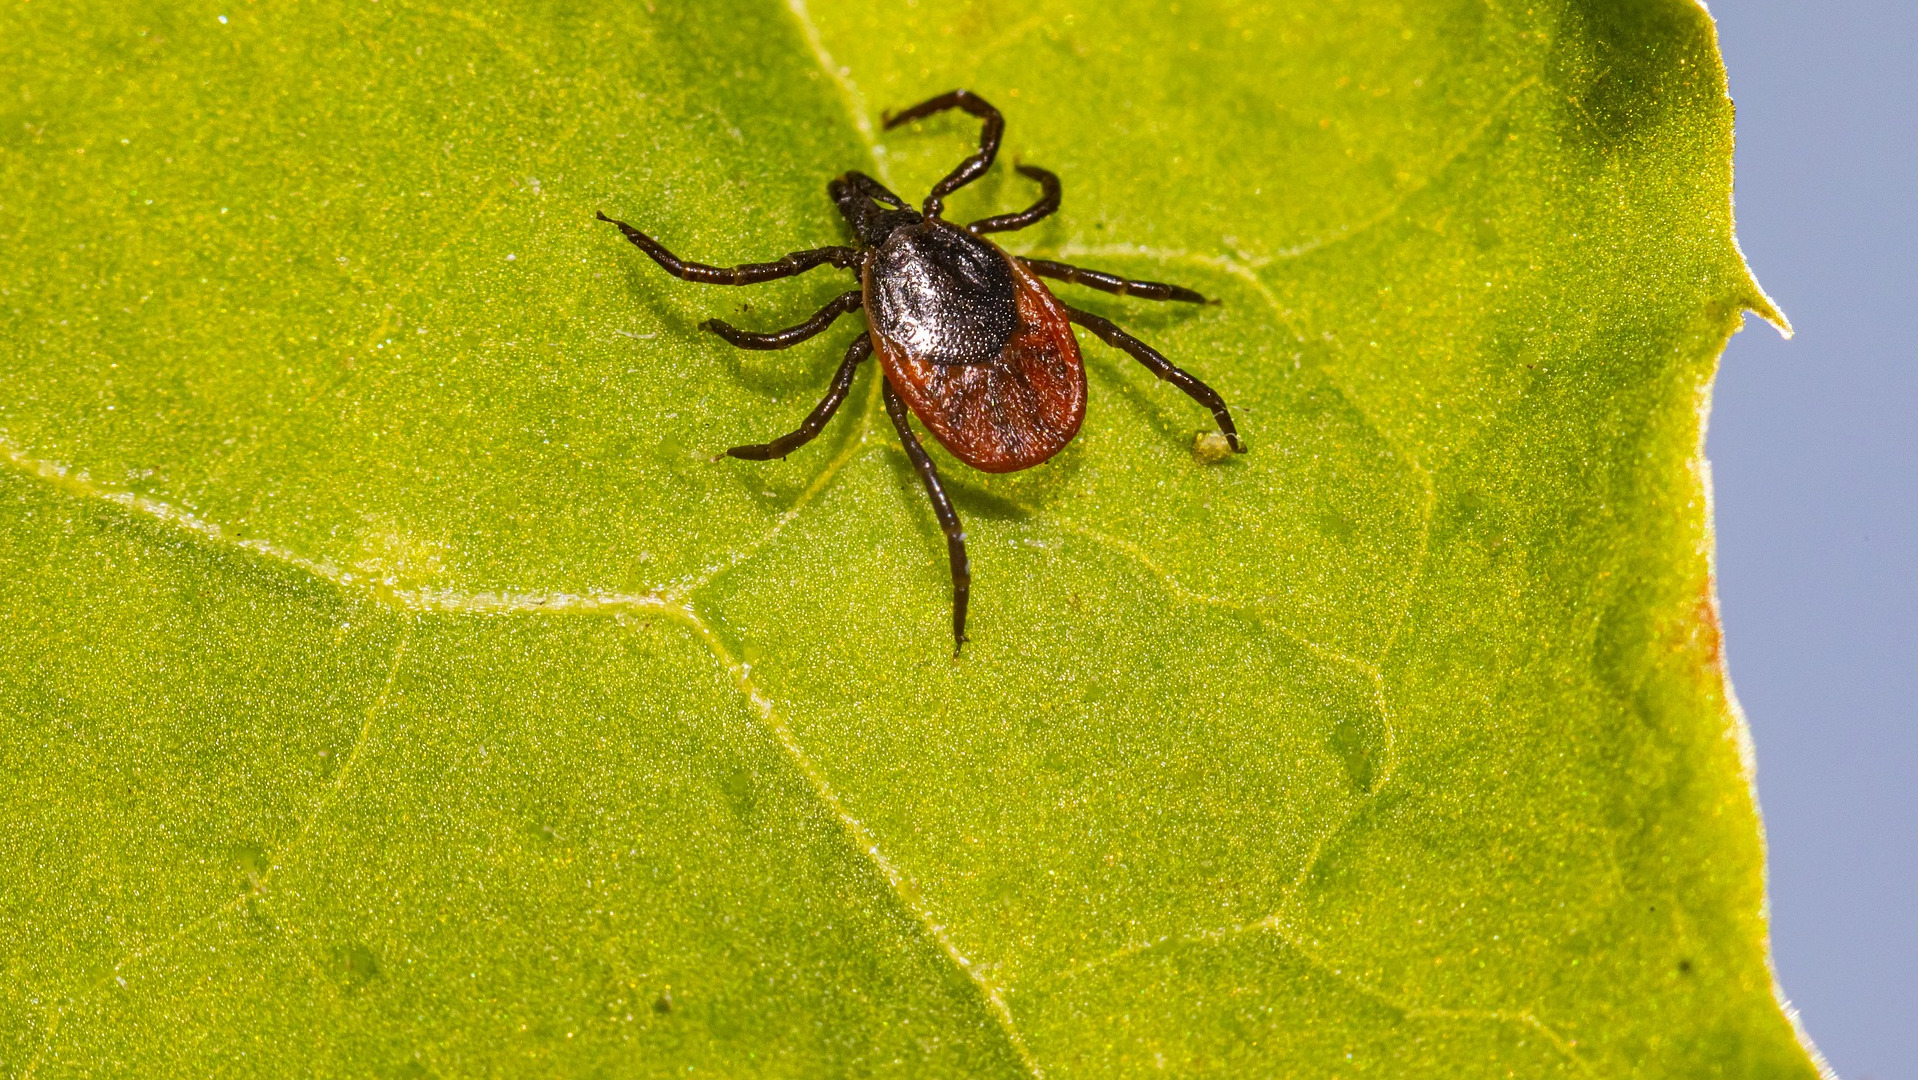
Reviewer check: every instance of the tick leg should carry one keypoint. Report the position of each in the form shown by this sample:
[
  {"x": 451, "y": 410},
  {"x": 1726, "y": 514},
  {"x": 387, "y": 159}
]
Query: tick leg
[
  {"x": 873, "y": 189},
  {"x": 973, "y": 167},
  {"x": 942, "y": 509},
  {"x": 1104, "y": 282},
  {"x": 1039, "y": 211},
  {"x": 745, "y": 273},
  {"x": 860, "y": 348},
  {"x": 1163, "y": 368},
  {"x": 792, "y": 335}
]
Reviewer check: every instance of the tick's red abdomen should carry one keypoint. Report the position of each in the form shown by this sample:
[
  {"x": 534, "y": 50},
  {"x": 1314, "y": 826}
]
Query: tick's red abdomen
[{"x": 1011, "y": 411}]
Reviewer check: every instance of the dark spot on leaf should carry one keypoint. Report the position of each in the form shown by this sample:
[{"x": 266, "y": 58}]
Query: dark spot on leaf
[
  {"x": 1384, "y": 171},
  {"x": 663, "y": 1004},
  {"x": 1507, "y": 344},
  {"x": 248, "y": 862},
  {"x": 722, "y": 1024},
  {"x": 741, "y": 793},
  {"x": 355, "y": 965},
  {"x": 1358, "y": 738},
  {"x": 1336, "y": 525},
  {"x": 1684, "y": 967},
  {"x": 1473, "y": 513}
]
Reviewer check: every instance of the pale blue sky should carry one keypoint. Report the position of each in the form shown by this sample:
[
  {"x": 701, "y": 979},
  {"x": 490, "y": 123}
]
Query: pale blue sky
[{"x": 1814, "y": 448}]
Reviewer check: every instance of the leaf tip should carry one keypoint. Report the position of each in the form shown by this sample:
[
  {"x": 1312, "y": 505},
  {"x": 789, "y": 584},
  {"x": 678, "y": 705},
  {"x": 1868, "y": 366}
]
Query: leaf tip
[
  {"x": 1770, "y": 313},
  {"x": 1756, "y": 300},
  {"x": 1761, "y": 305}
]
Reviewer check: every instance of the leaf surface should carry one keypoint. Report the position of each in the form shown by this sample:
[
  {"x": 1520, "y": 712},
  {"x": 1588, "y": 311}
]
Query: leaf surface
[{"x": 391, "y": 682}]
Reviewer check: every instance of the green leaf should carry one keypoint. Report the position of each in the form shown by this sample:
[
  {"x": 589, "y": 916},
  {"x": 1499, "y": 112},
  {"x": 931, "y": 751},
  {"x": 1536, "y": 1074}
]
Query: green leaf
[{"x": 391, "y": 683}]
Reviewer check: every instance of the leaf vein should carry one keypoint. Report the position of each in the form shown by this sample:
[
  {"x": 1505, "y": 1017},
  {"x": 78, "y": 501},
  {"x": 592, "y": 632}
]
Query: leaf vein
[
  {"x": 685, "y": 592},
  {"x": 1179, "y": 589},
  {"x": 384, "y": 592},
  {"x": 1523, "y": 1017},
  {"x": 1404, "y": 196},
  {"x": 1272, "y": 924},
  {"x": 347, "y": 767},
  {"x": 856, "y": 831},
  {"x": 861, "y": 837},
  {"x": 1246, "y": 270},
  {"x": 857, "y": 110},
  {"x": 255, "y": 888}
]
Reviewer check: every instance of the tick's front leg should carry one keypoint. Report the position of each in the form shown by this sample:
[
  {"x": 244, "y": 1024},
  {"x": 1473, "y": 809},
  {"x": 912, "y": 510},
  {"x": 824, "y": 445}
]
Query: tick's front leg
[{"x": 745, "y": 273}]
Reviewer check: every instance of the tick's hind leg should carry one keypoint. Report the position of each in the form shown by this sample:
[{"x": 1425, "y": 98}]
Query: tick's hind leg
[
  {"x": 792, "y": 335},
  {"x": 1112, "y": 283},
  {"x": 942, "y": 509},
  {"x": 860, "y": 348},
  {"x": 1037, "y": 212},
  {"x": 974, "y": 166},
  {"x": 745, "y": 273},
  {"x": 1163, "y": 368}
]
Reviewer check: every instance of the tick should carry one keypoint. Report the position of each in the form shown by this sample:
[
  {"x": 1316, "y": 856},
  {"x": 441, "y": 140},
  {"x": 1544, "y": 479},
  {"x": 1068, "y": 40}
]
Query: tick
[{"x": 970, "y": 340}]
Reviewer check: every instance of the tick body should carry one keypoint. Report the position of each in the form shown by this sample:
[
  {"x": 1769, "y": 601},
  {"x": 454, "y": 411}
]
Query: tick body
[
  {"x": 969, "y": 339},
  {"x": 978, "y": 348}
]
